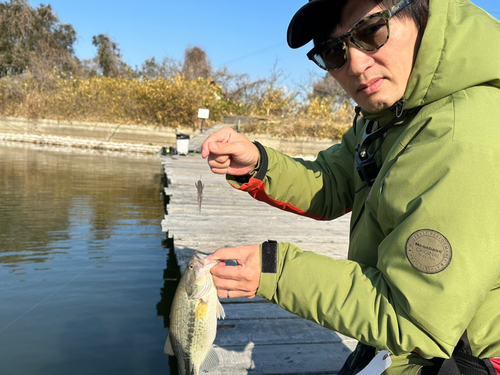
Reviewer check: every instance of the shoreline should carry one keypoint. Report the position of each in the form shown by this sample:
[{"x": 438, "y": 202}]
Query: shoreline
[
  {"x": 79, "y": 143},
  {"x": 134, "y": 138}
]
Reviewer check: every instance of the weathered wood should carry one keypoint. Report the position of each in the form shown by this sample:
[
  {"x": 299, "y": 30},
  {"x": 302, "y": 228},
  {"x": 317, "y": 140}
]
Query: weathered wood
[
  {"x": 264, "y": 309},
  {"x": 257, "y": 336},
  {"x": 324, "y": 358},
  {"x": 272, "y": 331}
]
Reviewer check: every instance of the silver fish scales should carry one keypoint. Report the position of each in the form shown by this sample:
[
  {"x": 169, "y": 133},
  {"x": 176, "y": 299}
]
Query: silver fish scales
[{"x": 193, "y": 318}]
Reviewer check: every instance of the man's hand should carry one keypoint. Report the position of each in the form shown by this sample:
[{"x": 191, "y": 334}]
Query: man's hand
[
  {"x": 241, "y": 280},
  {"x": 230, "y": 152}
]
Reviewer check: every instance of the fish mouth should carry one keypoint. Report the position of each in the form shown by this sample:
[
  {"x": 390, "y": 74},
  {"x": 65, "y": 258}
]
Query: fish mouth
[
  {"x": 202, "y": 270},
  {"x": 205, "y": 264}
]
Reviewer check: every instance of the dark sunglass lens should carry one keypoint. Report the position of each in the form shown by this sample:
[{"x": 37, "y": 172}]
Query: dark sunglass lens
[
  {"x": 372, "y": 34},
  {"x": 332, "y": 57}
]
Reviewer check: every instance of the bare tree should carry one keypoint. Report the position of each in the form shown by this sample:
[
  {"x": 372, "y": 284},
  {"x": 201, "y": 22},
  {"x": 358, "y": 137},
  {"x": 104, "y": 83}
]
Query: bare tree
[
  {"x": 168, "y": 67},
  {"x": 196, "y": 63},
  {"x": 109, "y": 57},
  {"x": 277, "y": 76},
  {"x": 34, "y": 39},
  {"x": 327, "y": 87},
  {"x": 238, "y": 87}
]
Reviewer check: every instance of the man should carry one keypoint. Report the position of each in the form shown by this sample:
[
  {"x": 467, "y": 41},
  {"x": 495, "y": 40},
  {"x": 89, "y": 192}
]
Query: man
[{"x": 418, "y": 170}]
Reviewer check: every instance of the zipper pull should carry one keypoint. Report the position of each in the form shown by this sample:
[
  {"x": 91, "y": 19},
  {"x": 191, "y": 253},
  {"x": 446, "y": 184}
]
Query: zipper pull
[
  {"x": 399, "y": 108},
  {"x": 357, "y": 110}
]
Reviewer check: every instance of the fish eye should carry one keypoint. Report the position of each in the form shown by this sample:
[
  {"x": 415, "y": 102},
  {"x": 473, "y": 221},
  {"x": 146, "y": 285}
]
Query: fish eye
[{"x": 191, "y": 266}]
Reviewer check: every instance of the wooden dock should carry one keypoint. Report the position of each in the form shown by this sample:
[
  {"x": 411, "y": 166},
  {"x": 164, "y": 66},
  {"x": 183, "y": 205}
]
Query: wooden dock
[{"x": 257, "y": 337}]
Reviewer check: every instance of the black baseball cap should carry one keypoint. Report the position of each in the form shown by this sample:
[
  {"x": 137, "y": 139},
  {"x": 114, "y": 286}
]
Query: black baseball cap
[{"x": 315, "y": 18}]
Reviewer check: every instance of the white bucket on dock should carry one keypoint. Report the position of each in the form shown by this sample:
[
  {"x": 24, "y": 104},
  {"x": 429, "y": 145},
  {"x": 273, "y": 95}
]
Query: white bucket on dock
[{"x": 182, "y": 144}]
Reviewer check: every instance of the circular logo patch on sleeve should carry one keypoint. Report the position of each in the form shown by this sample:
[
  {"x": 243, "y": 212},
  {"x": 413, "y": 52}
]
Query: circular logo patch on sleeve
[{"x": 428, "y": 251}]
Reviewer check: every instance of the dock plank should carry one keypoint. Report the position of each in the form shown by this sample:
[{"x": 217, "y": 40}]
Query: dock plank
[
  {"x": 257, "y": 336},
  {"x": 324, "y": 358},
  {"x": 238, "y": 332}
]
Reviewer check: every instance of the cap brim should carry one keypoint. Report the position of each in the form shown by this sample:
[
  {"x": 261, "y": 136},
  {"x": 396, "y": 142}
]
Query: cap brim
[{"x": 310, "y": 21}]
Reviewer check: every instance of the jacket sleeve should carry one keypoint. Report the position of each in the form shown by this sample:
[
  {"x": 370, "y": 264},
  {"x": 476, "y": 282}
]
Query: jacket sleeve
[
  {"x": 321, "y": 189},
  {"x": 399, "y": 304}
]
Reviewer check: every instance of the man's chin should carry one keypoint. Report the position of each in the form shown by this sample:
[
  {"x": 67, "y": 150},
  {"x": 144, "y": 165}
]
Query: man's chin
[{"x": 376, "y": 103}]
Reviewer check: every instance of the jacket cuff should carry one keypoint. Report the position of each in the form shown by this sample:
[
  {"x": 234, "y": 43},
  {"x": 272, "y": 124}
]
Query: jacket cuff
[
  {"x": 259, "y": 171},
  {"x": 263, "y": 165}
]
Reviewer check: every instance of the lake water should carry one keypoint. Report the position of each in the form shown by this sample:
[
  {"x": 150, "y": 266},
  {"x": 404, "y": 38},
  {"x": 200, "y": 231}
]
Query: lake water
[{"x": 85, "y": 277}]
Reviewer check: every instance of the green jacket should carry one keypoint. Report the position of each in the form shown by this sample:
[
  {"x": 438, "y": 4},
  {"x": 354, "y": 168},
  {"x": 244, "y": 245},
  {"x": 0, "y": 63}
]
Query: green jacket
[{"x": 424, "y": 253}]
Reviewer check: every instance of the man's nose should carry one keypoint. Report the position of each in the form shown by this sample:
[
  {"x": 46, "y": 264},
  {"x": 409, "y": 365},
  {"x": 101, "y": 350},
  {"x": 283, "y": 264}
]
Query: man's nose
[{"x": 357, "y": 59}]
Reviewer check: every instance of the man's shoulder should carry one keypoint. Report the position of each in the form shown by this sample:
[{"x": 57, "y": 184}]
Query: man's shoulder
[
  {"x": 475, "y": 115},
  {"x": 466, "y": 116}
]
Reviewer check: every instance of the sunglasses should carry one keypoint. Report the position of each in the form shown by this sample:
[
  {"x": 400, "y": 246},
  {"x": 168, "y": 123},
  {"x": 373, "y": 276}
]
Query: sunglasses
[{"x": 369, "y": 34}]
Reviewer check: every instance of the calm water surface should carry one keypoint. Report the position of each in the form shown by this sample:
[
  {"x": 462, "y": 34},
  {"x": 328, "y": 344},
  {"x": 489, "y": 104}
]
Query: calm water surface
[{"x": 82, "y": 263}]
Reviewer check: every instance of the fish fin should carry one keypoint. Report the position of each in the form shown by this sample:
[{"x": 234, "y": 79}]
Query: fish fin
[
  {"x": 221, "y": 314},
  {"x": 211, "y": 361},
  {"x": 168, "y": 347}
]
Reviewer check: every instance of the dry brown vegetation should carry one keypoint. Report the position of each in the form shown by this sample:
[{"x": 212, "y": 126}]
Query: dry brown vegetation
[
  {"x": 160, "y": 102},
  {"x": 305, "y": 123},
  {"x": 41, "y": 78},
  {"x": 169, "y": 102}
]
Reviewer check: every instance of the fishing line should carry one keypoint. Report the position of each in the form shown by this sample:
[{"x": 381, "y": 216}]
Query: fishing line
[
  {"x": 81, "y": 273},
  {"x": 254, "y": 53}
]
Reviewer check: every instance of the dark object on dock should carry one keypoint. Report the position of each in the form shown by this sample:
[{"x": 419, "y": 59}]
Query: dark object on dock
[
  {"x": 168, "y": 151},
  {"x": 199, "y": 186}
]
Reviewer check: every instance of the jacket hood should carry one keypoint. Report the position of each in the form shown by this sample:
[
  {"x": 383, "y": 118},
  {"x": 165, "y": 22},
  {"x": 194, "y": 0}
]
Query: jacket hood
[{"x": 460, "y": 48}]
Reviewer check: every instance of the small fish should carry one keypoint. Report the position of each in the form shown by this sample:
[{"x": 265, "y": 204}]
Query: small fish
[
  {"x": 199, "y": 186},
  {"x": 193, "y": 318}
]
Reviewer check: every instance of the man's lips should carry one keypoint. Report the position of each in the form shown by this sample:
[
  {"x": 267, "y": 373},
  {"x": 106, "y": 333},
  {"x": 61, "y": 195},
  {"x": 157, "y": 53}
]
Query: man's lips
[{"x": 370, "y": 86}]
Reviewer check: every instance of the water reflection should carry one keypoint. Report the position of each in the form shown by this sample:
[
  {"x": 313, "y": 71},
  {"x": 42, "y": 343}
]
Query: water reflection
[
  {"x": 46, "y": 195},
  {"x": 81, "y": 263},
  {"x": 171, "y": 277}
]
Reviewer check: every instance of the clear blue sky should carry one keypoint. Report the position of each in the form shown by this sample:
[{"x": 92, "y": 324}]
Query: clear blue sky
[{"x": 247, "y": 36}]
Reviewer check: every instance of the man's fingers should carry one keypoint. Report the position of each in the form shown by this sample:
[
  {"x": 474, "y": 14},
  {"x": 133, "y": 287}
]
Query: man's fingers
[
  {"x": 224, "y": 149},
  {"x": 219, "y": 170},
  {"x": 227, "y": 284},
  {"x": 210, "y": 144},
  {"x": 222, "y": 293},
  {"x": 222, "y": 271},
  {"x": 244, "y": 276},
  {"x": 219, "y": 165},
  {"x": 218, "y": 161}
]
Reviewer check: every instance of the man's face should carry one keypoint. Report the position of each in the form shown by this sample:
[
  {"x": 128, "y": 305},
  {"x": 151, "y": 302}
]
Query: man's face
[{"x": 376, "y": 80}]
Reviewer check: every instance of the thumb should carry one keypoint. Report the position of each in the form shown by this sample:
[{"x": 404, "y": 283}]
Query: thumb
[
  {"x": 224, "y": 148},
  {"x": 208, "y": 147},
  {"x": 213, "y": 147}
]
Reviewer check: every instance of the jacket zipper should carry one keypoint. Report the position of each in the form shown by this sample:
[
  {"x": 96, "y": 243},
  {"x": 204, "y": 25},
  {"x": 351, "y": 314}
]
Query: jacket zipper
[{"x": 357, "y": 219}]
